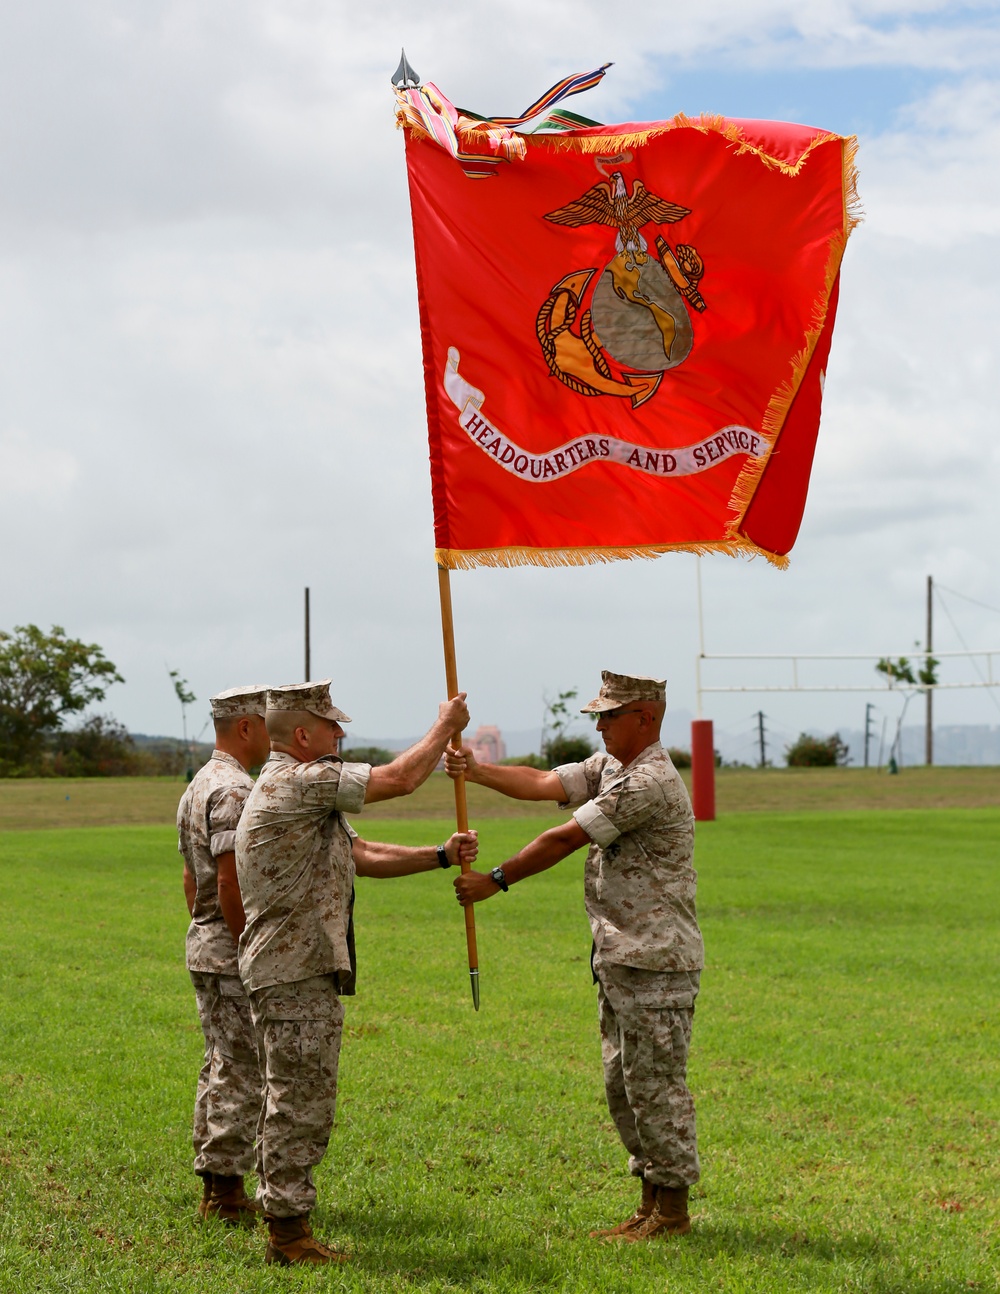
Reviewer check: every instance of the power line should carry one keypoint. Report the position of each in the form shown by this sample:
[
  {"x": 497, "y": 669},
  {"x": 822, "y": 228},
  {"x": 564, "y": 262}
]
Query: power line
[
  {"x": 958, "y": 635},
  {"x": 966, "y": 598}
]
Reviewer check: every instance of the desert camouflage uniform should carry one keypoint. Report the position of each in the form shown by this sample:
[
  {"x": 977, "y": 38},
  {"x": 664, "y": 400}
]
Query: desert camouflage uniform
[
  {"x": 228, "y": 1095},
  {"x": 639, "y": 890},
  {"x": 296, "y": 870}
]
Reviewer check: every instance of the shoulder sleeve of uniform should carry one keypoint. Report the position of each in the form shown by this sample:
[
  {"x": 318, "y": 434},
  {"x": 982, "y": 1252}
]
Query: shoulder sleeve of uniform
[
  {"x": 581, "y": 782},
  {"x": 629, "y": 802},
  {"x": 336, "y": 786},
  {"x": 224, "y": 811}
]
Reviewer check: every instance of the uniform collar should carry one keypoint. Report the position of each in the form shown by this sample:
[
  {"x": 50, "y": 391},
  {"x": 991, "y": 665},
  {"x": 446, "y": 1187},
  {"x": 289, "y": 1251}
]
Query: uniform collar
[
  {"x": 228, "y": 759},
  {"x": 651, "y": 749},
  {"x": 283, "y": 757}
]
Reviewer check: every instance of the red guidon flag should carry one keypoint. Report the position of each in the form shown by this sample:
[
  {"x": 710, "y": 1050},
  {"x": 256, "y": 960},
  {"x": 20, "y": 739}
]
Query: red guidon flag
[{"x": 625, "y": 328}]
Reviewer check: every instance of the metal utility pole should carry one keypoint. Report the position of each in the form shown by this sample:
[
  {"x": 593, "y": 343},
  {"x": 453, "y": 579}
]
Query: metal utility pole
[
  {"x": 929, "y": 732},
  {"x": 308, "y": 663},
  {"x": 760, "y": 734},
  {"x": 868, "y": 728}
]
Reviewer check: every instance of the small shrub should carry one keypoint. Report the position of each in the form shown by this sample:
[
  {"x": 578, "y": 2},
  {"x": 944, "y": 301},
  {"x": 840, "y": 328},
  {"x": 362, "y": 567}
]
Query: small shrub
[
  {"x": 679, "y": 758},
  {"x": 567, "y": 750},
  {"x": 373, "y": 755},
  {"x": 99, "y": 747},
  {"x": 816, "y": 752},
  {"x": 526, "y": 761}
]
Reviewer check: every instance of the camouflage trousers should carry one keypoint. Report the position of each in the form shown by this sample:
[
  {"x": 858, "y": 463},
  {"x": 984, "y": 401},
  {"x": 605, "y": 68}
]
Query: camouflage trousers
[
  {"x": 228, "y": 1096},
  {"x": 645, "y": 1035},
  {"x": 298, "y": 1030}
]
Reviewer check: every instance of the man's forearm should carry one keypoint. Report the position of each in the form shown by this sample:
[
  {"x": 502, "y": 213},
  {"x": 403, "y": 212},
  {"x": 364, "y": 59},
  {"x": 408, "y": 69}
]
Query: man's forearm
[
  {"x": 231, "y": 903},
  {"x": 519, "y": 781},
  {"x": 376, "y": 858},
  {"x": 543, "y": 852},
  {"x": 190, "y": 889},
  {"x": 410, "y": 769},
  {"x": 230, "y": 898}
]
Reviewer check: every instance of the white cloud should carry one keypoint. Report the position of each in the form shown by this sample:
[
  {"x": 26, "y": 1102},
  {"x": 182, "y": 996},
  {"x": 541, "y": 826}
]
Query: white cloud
[
  {"x": 208, "y": 319},
  {"x": 31, "y": 474}
]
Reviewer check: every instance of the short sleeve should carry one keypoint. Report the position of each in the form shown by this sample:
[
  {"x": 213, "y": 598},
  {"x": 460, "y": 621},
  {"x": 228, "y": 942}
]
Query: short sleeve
[
  {"x": 353, "y": 787},
  {"x": 581, "y": 782},
  {"x": 224, "y": 812},
  {"x": 625, "y": 805},
  {"x": 333, "y": 786}
]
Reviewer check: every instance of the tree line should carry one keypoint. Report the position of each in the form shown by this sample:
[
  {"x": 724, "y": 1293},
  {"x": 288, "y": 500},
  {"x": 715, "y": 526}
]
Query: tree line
[{"x": 47, "y": 680}]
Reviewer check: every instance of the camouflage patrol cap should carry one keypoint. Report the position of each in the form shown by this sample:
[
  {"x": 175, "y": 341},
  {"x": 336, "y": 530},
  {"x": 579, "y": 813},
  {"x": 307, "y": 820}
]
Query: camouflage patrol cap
[
  {"x": 237, "y": 702},
  {"x": 312, "y": 697},
  {"x": 623, "y": 689}
]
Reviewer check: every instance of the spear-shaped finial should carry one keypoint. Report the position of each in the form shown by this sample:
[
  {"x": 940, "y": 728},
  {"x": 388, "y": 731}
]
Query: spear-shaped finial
[{"x": 404, "y": 76}]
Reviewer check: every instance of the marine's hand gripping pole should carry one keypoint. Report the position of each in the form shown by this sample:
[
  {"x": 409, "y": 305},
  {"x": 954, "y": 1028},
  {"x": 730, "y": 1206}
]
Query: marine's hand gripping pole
[{"x": 461, "y": 809}]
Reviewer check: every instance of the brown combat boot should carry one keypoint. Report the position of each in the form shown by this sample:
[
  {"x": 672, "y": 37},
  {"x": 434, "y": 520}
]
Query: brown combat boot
[
  {"x": 669, "y": 1216},
  {"x": 206, "y": 1194},
  {"x": 230, "y": 1203},
  {"x": 643, "y": 1211},
  {"x": 290, "y": 1240}
]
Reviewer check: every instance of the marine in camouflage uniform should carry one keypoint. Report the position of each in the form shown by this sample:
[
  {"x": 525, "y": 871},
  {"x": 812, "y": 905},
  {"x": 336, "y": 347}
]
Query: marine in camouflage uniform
[
  {"x": 228, "y": 1094},
  {"x": 297, "y": 858},
  {"x": 632, "y": 809}
]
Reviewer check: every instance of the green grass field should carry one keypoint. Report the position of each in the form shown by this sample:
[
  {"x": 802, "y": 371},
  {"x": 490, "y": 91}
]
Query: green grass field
[
  {"x": 30, "y": 803},
  {"x": 845, "y": 1064}
]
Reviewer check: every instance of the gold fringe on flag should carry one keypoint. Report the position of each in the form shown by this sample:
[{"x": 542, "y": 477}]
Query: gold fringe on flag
[
  {"x": 706, "y": 124},
  {"x": 461, "y": 559},
  {"x": 473, "y": 132}
]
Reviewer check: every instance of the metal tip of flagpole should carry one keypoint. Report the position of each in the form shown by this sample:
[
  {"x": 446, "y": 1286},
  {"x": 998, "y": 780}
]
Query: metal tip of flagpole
[
  {"x": 474, "y": 977},
  {"x": 404, "y": 76}
]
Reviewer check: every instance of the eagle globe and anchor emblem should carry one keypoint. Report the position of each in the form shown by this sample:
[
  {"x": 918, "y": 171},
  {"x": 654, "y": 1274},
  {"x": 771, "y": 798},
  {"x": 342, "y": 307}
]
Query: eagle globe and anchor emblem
[
  {"x": 612, "y": 332},
  {"x": 636, "y": 319}
]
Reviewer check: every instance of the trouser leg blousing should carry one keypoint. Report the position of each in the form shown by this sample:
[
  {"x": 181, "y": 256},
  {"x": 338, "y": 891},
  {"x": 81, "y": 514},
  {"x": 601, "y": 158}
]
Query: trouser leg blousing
[
  {"x": 646, "y": 1019},
  {"x": 299, "y": 1026},
  {"x": 228, "y": 1096}
]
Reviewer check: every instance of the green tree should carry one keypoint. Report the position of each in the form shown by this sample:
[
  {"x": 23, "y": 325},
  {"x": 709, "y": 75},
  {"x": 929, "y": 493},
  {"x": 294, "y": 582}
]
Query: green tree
[
  {"x": 901, "y": 675},
  {"x": 373, "y": 755},
  {"x": 99, "y": 747},
  {"x": 43, "y": 678},
  {"x": 526, "y": 761},
  {"x": 816, "y": 752},
  {"x": 558, "y": 746},
  {"x": 567, "y": 750},
  {"x": 186, "y": 697}
]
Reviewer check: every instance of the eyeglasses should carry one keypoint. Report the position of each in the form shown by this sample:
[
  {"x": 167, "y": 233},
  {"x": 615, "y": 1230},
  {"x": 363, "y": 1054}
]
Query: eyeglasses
[{"x": 617, "y": 714}]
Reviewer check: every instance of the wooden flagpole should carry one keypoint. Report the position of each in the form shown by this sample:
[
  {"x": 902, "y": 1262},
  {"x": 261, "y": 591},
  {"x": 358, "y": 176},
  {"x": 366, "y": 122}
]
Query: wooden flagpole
[{"x": 461, "y": 808}]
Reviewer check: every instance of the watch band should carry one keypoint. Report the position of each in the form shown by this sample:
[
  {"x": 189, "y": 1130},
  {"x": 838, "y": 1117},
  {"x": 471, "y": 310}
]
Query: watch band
[
  {"x": 498, "y": 878},
  {"x": 442, "y": 856}
]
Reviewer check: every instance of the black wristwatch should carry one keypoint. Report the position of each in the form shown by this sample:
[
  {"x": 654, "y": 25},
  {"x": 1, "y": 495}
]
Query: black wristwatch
[
  {"x": 443, "y": 856},
  {"x": 498, "y": 878}
]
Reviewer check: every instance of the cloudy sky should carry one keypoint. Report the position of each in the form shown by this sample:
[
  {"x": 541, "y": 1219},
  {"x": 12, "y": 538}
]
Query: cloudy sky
[{"x": 211, "y": 392}]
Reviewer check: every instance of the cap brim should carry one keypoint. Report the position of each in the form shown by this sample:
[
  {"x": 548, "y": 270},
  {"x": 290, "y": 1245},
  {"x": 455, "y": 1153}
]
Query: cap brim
[
  {"x": 598, "y": 706},
  {"x": 333, "y": 713}
]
